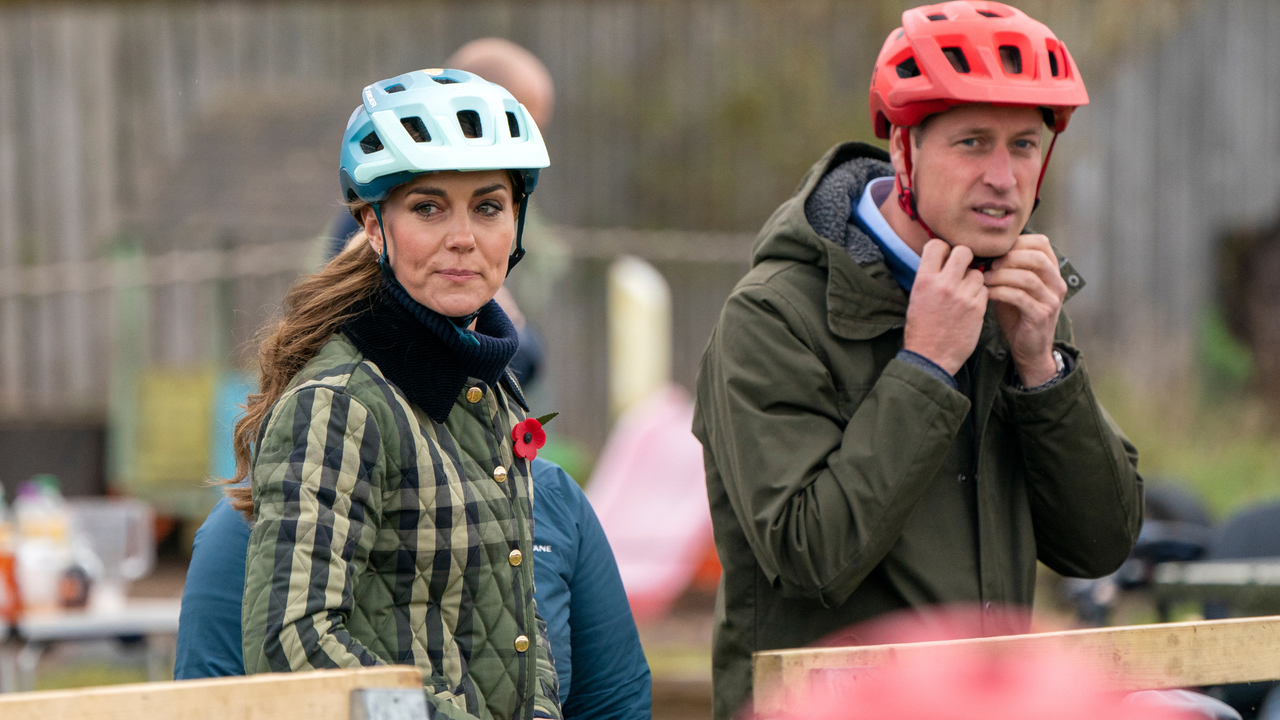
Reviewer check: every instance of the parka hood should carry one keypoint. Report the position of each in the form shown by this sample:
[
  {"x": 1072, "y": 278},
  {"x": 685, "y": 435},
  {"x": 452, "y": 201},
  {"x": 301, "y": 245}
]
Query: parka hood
[
  {"x": 817, "y": 214},
  {"x": 863, "y": 299}
]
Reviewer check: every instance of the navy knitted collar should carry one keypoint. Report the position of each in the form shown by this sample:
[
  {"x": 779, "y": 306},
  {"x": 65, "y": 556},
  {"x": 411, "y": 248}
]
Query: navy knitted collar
[{"x": 426, "y": 355}]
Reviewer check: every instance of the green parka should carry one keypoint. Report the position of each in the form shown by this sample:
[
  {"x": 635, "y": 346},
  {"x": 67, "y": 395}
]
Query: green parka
[{"x": 845, "y": 483}]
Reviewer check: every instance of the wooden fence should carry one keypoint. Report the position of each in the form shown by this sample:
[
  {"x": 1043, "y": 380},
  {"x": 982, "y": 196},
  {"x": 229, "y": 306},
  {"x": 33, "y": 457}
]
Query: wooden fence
[
  {"x": 565, "y": 298},
  {"x": 1174, "y": 655},
  {"x": 1145, "y": 657},
  {"x": 198, "y": 126},
  {"x": 1179, "y": 145},
  {"x": 209, "y": 125},
  {"x": 318, "y": 695}
]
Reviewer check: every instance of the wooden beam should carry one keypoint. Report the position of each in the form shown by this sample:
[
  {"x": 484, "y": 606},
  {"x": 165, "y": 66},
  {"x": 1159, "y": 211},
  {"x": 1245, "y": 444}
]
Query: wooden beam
[
  {"x": 1250, "y": 588},
  {"x": 317, "y": 695},
  {"x": 1144, "y": 657}
]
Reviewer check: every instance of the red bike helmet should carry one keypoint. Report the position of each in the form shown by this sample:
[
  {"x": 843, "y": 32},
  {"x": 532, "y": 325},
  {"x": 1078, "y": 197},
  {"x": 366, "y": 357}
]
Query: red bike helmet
[{"x": 970, "y": 51}]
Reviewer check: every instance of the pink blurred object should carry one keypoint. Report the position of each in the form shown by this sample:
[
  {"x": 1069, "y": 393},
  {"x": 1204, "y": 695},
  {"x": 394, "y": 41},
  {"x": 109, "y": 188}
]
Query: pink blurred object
[
  {"x": 951, "y": 681},
  {"x": 650, "y": 492}
]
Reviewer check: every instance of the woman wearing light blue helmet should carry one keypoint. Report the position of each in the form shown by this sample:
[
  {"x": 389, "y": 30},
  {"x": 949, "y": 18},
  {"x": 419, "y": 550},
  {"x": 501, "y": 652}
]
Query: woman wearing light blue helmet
[
  {"x": 431, "y": 121},
  {"x": 392, "y": 516}
]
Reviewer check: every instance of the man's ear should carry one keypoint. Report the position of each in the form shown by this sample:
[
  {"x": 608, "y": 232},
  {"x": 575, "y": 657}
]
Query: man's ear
[{"x": 896, "y": 151}]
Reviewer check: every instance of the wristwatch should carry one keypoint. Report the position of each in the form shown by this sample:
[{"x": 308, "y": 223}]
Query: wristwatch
[{"x": 1059, "y": 362}]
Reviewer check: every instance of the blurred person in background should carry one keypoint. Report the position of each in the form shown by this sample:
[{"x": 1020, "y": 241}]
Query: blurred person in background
[
  {"x": 392, "y": 518},
  {"x": 501, "y": 61},
  {"x": 601, "y": 665},
  {"x": 892, "y": 411}
]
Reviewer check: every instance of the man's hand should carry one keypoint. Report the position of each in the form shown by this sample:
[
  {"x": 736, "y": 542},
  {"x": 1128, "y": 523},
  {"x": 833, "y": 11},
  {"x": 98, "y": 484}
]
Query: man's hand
[
  {"x": 948, "y": 301},
  {"x": 1028, "y": 290}
]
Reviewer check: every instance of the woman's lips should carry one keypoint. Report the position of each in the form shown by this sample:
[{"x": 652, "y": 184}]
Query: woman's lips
[{"x": 458, "y": 275}]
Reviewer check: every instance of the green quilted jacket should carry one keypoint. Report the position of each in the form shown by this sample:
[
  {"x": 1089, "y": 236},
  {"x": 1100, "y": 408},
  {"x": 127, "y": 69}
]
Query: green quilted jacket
[{"x": 383, "y": 537}]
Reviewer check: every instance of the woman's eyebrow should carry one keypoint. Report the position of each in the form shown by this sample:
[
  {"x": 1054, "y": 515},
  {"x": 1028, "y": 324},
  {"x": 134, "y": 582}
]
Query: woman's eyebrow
[
  {"x": 488, "y": 189},
  {"x": 437, "y": 192}
]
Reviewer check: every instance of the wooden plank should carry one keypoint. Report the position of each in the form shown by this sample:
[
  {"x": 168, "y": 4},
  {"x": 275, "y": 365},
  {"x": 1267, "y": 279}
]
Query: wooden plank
[
  {"x": 1171, "y": 655},
  {"x": 318, "y": 695},
  {"x": 1219, "y": 572},
  {"x": 1250, "y": 588}
]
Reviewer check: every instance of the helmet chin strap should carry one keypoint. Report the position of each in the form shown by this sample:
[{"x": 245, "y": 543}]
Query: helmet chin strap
[
  {"x": 518, "y": 254},
  {"x": 907, "y": 196},
  {"x": 384, "y": 258}
]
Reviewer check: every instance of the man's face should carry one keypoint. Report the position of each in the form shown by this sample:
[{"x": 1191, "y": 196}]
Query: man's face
[{"x": 976, "y": 168}]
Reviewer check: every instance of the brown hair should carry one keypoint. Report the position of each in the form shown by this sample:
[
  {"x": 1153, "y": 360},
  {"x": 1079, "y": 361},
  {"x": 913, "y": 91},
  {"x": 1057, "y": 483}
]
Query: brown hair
[{"x": 314, "y": 308}]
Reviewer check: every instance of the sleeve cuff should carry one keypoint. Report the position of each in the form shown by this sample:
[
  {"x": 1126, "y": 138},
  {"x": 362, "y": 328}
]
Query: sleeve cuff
[
  {"x": 929, "y": 366},
  {"x": 1068, "y": 365}
]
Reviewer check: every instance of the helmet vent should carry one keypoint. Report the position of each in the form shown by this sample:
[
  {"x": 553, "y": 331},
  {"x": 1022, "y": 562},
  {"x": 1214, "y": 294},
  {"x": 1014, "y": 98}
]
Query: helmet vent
[
  {"x": 1053, "y": 64},
  {"x": 371, "y": 143},
  {"x": 416, "y": 129},
  {"x": 957, "y": 59},
  {"x": 937, "y": 17},
  {"x": 513, "y": 125},
  {"x": 469, "y": 121},
  {"x": 988, "y": 13},
  {"x": 1011, "y": 58},
  {"x": 393, "y": 88},
  {"x": 444, "y": 80},
  {"x": 908, "y": 69}
]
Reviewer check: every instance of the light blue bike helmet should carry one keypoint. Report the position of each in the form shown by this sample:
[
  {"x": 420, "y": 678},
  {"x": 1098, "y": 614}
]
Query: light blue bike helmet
[{"x": 438, "y": 119}]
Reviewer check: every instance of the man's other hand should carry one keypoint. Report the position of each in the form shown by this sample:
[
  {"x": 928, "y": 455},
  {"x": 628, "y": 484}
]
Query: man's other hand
[
  {"x": 1028, "y": 290},
  {"x": 948, "y": 301}
]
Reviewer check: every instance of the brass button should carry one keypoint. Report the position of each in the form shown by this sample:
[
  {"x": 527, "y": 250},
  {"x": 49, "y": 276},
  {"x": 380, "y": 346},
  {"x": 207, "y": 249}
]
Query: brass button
[
  {"x": 522, "y": 643},
  {"x": 500, "y": 474},
  {"x": 475, "y": 394},
  {"x": 515, "y": 557}
]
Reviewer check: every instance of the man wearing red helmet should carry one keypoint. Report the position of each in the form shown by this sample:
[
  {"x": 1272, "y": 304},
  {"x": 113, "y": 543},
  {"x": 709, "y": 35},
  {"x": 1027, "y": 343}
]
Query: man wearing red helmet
[{"x": 892, "y": 413}]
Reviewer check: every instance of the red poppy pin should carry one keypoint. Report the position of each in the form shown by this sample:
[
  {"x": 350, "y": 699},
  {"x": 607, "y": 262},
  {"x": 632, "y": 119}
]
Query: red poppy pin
[{"x": 529, "y": 436}]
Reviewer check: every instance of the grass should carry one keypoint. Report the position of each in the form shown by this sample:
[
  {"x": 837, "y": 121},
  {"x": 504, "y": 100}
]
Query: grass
[
  {"x": 1221, "y": 442},
  {"x": 88, "y": 674},
  {"x": 93, "y": 663}
]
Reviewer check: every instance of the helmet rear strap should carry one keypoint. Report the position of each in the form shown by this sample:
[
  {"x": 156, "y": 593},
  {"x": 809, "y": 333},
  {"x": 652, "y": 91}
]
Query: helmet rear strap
[
  {"x": 519, "y": 253},
  {"x": 906, "y": 195},
  {"x": 385, "y": 258},
  {"x": 1044, "y": 166}
]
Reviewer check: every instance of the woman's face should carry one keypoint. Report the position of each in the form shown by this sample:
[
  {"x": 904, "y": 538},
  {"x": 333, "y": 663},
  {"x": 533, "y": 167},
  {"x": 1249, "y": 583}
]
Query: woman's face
[{"x": 451, "y": 234}]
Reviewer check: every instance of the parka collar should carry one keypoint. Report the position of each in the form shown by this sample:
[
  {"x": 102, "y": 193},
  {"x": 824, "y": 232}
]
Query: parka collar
[{"x": 863, "y": 300}]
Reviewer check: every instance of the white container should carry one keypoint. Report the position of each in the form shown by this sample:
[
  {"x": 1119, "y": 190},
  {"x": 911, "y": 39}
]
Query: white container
[
  {"x": 121, "y": 534},
  {"x": 39, "y": 566}
]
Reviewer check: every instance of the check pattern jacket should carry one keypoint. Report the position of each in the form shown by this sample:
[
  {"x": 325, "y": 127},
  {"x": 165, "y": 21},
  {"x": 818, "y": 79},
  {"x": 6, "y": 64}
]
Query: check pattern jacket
[{"x": 381, "y": 537}]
